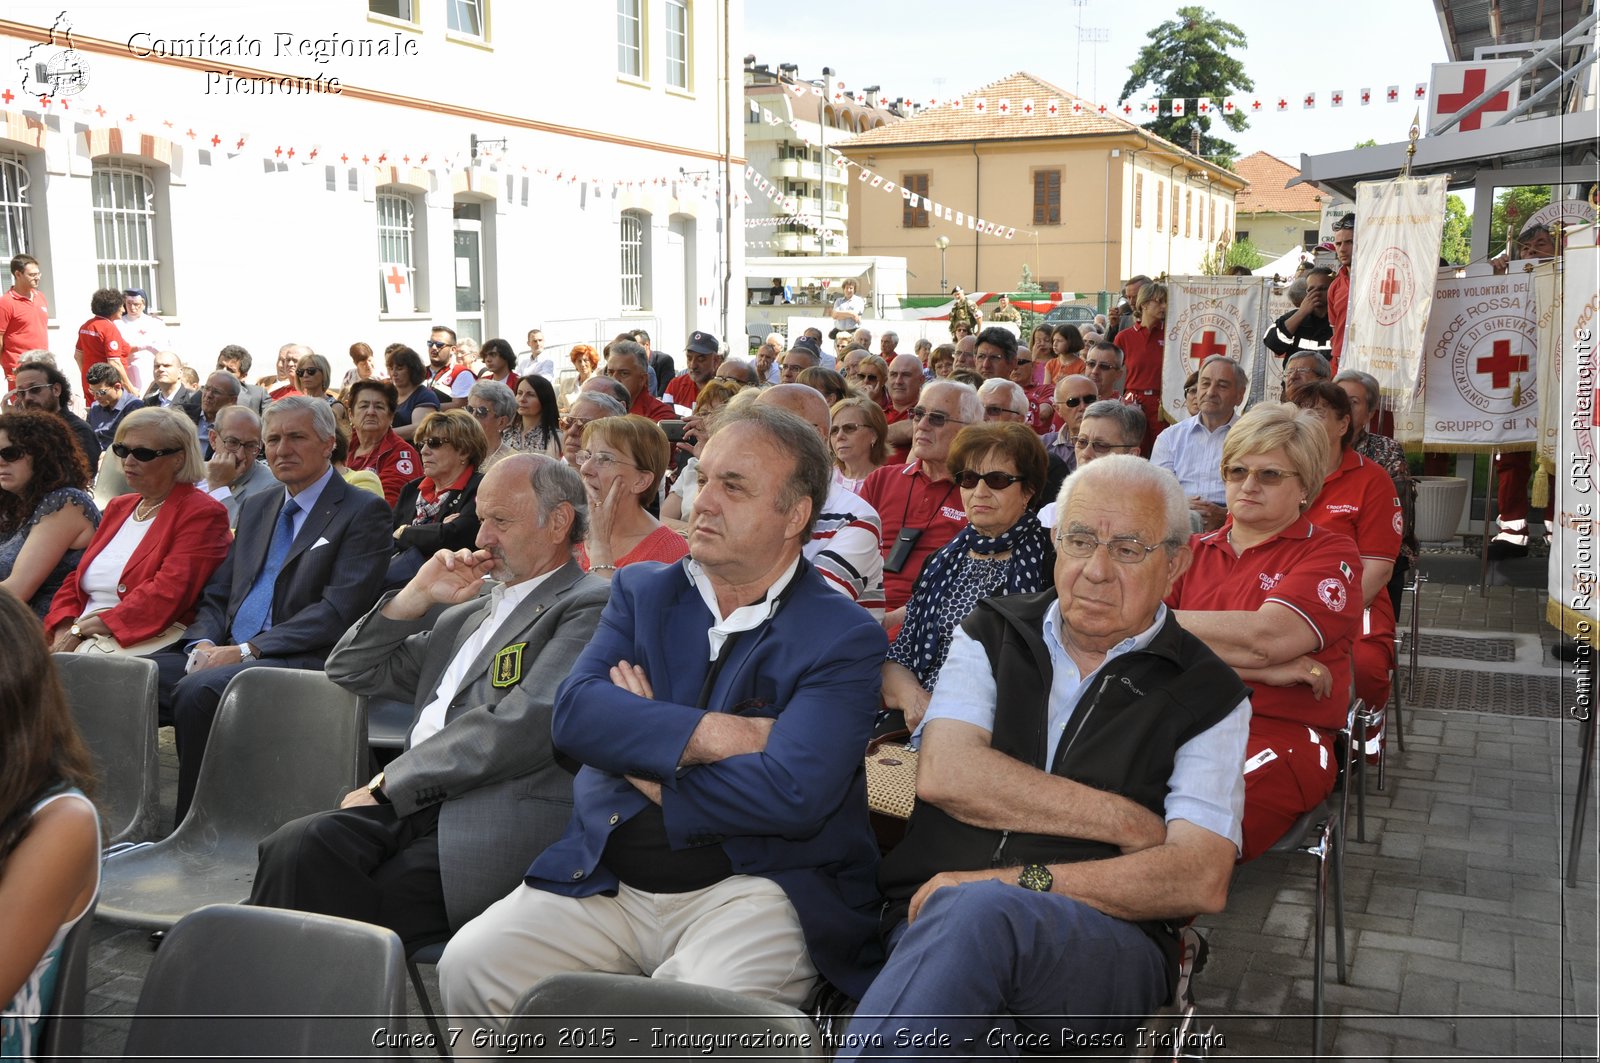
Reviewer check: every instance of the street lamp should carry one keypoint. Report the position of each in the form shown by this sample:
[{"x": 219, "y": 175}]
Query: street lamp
[{"x": 943, "y": 243}]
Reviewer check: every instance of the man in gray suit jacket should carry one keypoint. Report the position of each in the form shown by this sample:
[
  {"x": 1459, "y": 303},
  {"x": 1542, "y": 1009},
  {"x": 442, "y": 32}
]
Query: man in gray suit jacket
[{"x": 450, "y": 824}]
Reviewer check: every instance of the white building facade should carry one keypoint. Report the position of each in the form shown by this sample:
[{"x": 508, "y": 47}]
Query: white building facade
[{"x": 361, "y": 170}]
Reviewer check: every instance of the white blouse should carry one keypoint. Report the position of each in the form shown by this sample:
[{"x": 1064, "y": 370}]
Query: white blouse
[{"x": 104, "y": 574}]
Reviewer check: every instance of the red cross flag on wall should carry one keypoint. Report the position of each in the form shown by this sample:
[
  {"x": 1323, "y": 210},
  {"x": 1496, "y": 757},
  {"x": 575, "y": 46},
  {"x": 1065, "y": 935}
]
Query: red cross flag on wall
[
  {"x": 1455, "y": 85},
  {"x": 395, "y": 280}
]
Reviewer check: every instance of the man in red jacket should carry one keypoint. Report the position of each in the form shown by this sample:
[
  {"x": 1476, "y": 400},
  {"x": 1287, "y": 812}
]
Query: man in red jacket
[
  {"x": 23, "y": 316},
  {"x": 1344, "y": 246}
]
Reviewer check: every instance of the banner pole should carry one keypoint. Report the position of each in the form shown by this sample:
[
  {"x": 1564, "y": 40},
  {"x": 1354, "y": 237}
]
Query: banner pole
[{"x": 1483, "y": 547}]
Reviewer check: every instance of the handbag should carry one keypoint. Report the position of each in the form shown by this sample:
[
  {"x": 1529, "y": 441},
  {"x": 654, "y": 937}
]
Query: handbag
[
  {"x": 891, "y": 775},
  {"x": 105, "y": 644}
]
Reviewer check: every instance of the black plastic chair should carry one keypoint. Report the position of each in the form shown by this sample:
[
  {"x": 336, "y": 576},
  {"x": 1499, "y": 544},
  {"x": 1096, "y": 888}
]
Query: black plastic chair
[
  {"x": 61, "y": 1025},
  {"x": 388, "y": 722},
  {"x": 286, "y": 743},
  {"x": 114, "y": 704},
  {"x": 232, "y": 981},
  {"x": 429, "y": 955},
  {"x": 635, "y": 1018}
]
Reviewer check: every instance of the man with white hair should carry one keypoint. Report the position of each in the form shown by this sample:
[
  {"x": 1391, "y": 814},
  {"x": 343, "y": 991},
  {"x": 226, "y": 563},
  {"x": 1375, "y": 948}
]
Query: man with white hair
[
  {"x": 1192, "y": 449},
  {"x": 1079, "y": 796},
  {"x": 1073, "y": 396},
  {"x": 863, "y": 338},
  {"x": 888, "y": 346},
  {"x": 1004, "y": 400},
  {"x": 847, "y": 540}
]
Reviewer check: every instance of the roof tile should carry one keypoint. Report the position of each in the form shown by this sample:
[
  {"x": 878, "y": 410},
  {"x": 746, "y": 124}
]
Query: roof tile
[{"x": 1267, "y": 175}]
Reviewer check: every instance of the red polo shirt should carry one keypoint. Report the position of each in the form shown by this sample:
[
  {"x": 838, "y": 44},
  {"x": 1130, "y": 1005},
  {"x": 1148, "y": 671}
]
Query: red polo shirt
[
  {"x": 1359, "y": 501},
  {"x": 393, "y": 460},
  {"x": 99, "y": 340},
  {"x": 905, "y": 497},
  {"x": 683, "y": 390},
  {"x": 894, "y": 416},
  {"x": 1142, "y": 352},
  {"x": 23, "y": 321},
  {"x": 1339, "y": 310},
  {"x": 647, "y": 405},
  {"x": 1314, "y": 573}
]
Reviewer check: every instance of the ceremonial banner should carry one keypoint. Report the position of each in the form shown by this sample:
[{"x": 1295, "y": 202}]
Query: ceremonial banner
[
  {"x": 1571, "y": 389},
  {"x": 1213, "y": 315},
  {"x": 1479, "y": 387},
  {"x": 1392, "y": 279}
]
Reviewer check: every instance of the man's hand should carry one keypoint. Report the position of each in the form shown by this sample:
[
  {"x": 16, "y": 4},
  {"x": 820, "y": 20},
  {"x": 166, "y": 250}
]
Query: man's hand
[
  {"x": 652, "y": 790},
  {"x": 216, "y": 657},
  {"x": 956, "y": 878},
  {"x": 631, "y": 677},
  {"x": 719, "y": 736},
  {"x": 449, "y": 577},
  {"x": 1211, "y": 514},
  {"x": 222, "y": 469},
  {"x": 358, "y": 796},
  {"x": 1307, "y": 670}
]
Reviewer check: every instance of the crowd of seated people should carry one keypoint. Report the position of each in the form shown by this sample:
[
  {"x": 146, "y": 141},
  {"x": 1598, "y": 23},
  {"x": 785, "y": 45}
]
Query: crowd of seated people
[{"x": 703, "y": 616}]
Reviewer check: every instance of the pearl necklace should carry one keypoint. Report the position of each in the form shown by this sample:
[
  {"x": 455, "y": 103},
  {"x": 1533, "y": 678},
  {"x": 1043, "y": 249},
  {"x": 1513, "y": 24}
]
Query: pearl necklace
[{"x": 146, "y": 514}]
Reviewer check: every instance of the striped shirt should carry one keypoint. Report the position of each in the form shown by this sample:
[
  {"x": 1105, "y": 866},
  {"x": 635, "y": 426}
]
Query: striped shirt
[{"x": 847, "y": 548}]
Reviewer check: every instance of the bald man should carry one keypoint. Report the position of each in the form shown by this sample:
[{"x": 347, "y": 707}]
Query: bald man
[
  {"x": 847, "y": 540},
  {"x": 905, "y": 387}
]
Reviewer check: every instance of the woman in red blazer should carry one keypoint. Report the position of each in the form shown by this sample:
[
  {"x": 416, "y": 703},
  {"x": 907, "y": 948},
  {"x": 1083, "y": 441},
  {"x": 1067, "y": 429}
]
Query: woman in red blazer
[{"x": 142, "y": 575}]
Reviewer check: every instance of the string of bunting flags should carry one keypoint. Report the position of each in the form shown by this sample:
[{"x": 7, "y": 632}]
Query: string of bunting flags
[
  {"x": 866, "y": 176},
  {"x": 1004, "y": 107}
]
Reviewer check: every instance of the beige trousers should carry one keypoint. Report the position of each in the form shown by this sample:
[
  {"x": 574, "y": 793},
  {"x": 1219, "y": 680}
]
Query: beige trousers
[{"x": 741, "y": 934}]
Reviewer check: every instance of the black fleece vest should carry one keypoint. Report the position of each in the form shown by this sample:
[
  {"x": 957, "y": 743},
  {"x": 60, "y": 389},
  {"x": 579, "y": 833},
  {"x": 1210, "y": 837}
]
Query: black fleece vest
[{"x": 1122, "y": 738}]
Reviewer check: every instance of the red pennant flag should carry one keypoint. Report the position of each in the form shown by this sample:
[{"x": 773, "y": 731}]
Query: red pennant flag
[
  {"x": 1205, "y": 106},
  {"x": 1311, "y": 100},
  {"x": 980, "y": 105},
  {"x": 1003, "y": 106},
  {"x": 1283, "y": 104},
  {"x": 1255, "y": 105},
  {"x": 1338, "y": 98},
  {"x": 1177, "y": 107},
  {"x": 1228, "y": 105},
  {"x": 1077, "y": 106},
  {"x": 1393, "y": 93},
  {"x": 1421, "y": 91},
  {"x": 1101, "y": 108},
  {"x": 1366, "y": 97},
  {"x": 1053, "y": 108},
  {"x": 1027, "y": 107}
]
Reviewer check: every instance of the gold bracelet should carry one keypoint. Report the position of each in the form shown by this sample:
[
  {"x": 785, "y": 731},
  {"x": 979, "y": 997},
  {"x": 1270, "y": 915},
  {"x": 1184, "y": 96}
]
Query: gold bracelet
[{"x": 602, "y": 568}]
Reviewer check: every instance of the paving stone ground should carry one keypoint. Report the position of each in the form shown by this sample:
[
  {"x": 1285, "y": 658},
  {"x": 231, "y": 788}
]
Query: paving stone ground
[{"x": 1463, "y": 939}]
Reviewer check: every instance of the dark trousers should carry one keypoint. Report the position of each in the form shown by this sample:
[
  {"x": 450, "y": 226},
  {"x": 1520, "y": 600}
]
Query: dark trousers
[
  {"x": 986, "y": 963},
  {"x": 366, "y": 862},
  {"x": 189, "y": 704}
]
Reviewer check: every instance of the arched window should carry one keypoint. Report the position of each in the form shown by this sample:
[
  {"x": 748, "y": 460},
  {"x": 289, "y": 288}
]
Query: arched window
[
  {"x": 16, "y": 230},
  {"x": 125, "y": 223},
  {"x": 634, "y": 242}
]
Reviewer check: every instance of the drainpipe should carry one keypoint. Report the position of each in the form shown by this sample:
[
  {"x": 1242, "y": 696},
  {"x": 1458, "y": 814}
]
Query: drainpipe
[{"x": 977, "y": 201}]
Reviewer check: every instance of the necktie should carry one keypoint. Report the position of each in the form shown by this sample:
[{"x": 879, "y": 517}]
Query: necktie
[{"x": 252, "y": 617}]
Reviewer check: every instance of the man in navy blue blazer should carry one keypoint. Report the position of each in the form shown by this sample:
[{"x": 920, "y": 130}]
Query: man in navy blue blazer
[
  {"x": 332, "y": 546},
  {"x": 719, "y": 832}
]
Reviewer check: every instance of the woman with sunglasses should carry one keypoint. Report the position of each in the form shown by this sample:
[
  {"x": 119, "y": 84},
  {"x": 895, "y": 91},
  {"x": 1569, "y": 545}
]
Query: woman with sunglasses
[
  {"x": 537, "y": 429},
  {"x": 312, "y": 375},
  {"x": 872, "y": 379},
  {"x": 622, "y": 462},
  {"x": 439, "y": 511},
  {"x": 49, "y": 830},
  {"x": 141, "y": 578},
  {"x": 1000, "y": 468},
  {"x": 47, "y": 517},
  {"x": 860, "y": 441},
  {"x": 1278, "y": 599}
]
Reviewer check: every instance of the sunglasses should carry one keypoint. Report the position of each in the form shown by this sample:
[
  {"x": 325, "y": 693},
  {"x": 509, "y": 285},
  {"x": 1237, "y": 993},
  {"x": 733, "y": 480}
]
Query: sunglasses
[
  {"x": 433, "y": 443},
  {"x": 479, "y": 411},
  {"x": 25, "y": 392},
  {"x": 434, "y": 345},
  {"x": 1344, "y": 223},
  {"x": 1075, "y": 401},
  {"x": 999, "y": 411},
  {"x": 306, "y": 372},
  {"x": 1102, "y": 365},
  {"x": 1100, "y": 446},
  {"x": 122, "y": 450},
  {"x": 12, "y": 453},
  {"x": 935, "y": 419},
  {"x": 1238, "y": 474},
  {"x": 996, "y": 481}
]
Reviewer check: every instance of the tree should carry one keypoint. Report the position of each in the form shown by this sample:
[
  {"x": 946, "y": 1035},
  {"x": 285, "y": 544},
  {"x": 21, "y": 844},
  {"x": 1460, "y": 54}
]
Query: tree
[
  {"x": 1028, "y": 287},
  {"x": 1368, "y": 143},
  {"x": 1187, "y": 59},
  {"x": 1239, "y": 253},
  {"x": 1512, "y": 208},
  {"x": 1457, "y": 246}
]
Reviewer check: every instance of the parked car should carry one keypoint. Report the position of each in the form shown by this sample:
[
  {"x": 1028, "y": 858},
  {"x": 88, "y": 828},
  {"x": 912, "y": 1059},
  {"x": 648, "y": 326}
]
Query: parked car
[{"x": 1070, "y": 314}]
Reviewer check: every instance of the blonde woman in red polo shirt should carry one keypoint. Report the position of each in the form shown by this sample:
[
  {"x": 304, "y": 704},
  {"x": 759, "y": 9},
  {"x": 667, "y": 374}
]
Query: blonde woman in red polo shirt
[
  {"x": 1278, "y": 599},
  {"x": 1143, "y": 349}
]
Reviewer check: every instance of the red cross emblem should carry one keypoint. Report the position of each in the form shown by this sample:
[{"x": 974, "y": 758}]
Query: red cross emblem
[
  {"x": 363, "y": 158},
  {"x": 1421, "y": 91},
  {"x": 979, "y": 106},
  {"x": 240, "y": 144},
  {"x": 382, "y": 158},
  {"x": 1471, "y": 88},
  {"x": 291, "y": 153},
  {"x": 166, "y": 123},
  {"x": 278, "y": 150},
  {"x": 1027, "y": 108},
  {"x": 313, "y": 154},
  {"x": 1502, "y": 363},
  {"x": 1255, "y": 105},
  {"x": 1207, "y": 346},
  {"x": 1389, "y": 288},
  {"x": 1077, "y": 108},
  {"x": 883, "y": 101},
  {"x": 344, "y": 158},
  {"x": 189, "y": 133},
  {"x": 1228, "y": 106},
  {"x": 6, "y": 96},
  {"x": 1283, "y": 105},
  {"x": 1366, "y": 96},
  {"x": 44, "y": 101},
  {"x": 396, "y": 278},
  {"x": 406, "y": 159},
  {"x": 1338, "y": 98},
  {"x": 1102, "y": 108},
  {"x": 1127, "y": 109},
  {"x": 1205, "y": 106},
  {"x": 1394, "y": 94},
  {"x": 215, "y": 140},
  {"x": 66, "y": 105},
  {"x": 1311, "y": 99},
  {"x": 1005, "y": 108}
]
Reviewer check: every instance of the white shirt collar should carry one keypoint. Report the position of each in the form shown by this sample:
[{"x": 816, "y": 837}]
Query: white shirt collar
[
  {"x": 1052, "y": 633},
  {"x": 744, "y": 618}
]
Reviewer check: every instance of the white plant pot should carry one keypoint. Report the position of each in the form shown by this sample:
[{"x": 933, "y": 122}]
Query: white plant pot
[{"x": 1441, "y": 502}]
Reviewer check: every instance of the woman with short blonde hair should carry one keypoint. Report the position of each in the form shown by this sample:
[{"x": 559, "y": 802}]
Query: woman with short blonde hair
[{"x": 622, "y": 462}]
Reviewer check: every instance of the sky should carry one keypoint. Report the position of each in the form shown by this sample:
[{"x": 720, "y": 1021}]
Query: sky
[{"x": 942, "y": 48}]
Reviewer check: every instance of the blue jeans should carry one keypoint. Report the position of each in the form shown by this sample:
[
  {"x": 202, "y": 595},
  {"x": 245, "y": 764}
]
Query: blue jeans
[{"x": 989, "y": 968}]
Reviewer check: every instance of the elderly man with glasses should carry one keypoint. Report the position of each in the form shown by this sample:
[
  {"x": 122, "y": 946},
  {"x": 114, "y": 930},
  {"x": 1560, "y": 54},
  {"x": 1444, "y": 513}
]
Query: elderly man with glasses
[
  {"x": 918, "y": 501},
  {"x": 235, "y": 470},
  {"x": 1080, "y": 793},
  {"x": 1102, "y": 363},
  {"x": 1074, "y": 394}
]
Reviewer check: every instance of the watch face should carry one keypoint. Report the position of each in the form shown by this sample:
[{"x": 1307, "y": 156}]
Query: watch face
[{"x": 1037, "y": 878}]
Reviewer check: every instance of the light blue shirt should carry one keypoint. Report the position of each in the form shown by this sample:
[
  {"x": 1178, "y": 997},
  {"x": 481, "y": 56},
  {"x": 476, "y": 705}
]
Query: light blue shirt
[
  {"x": 1193, "y": 454},
  {"x": 1207, "y": 783},
  {"x": 307, "y": 501}
]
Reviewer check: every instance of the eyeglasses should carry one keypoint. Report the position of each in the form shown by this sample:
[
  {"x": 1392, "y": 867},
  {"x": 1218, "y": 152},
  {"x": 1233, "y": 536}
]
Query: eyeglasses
[
  {"x": 434, "y": 443},
  {"x": 1001, "y": 411},
  {"x": 1113, "y": 366},
  {"x": 935, "y": 419},
  {"x": 1238, "y": 474},
  {"x": 1024, "y": 361},
  {"x": 996, "y": 481},
  {"x": 735, "y": 381},
  {"x": 569, "y": 423},
  {"x": 12, "y": 453},
  {"x": 1344, "y": 223},
  {"x": 122, "y": 450},
  {"x": 841, "y": 429},
  {"x": 1072, "y": 402},
  {"x": 107, "y": 392},
  {"x": 25, "y": 392},
  {"x": 434, "y": 345},
  {"x": 306, "y": 372},
  {"x": 479, "y": 411},
  {"x": 232, "y": 443},
  {"x": 1127, "y": 551},
  {"x": 1100, "y": 446},
  {"x": 601, "y": 458},
  {"x": 865, "y": 379}
]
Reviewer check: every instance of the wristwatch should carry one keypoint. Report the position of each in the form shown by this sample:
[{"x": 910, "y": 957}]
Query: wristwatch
[
  {"x": 375, "y": 790},
  {"x": 76, "y": 632},
  {"x": 247, "y": 652},
  {"x": 1036, "y": 877}
]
